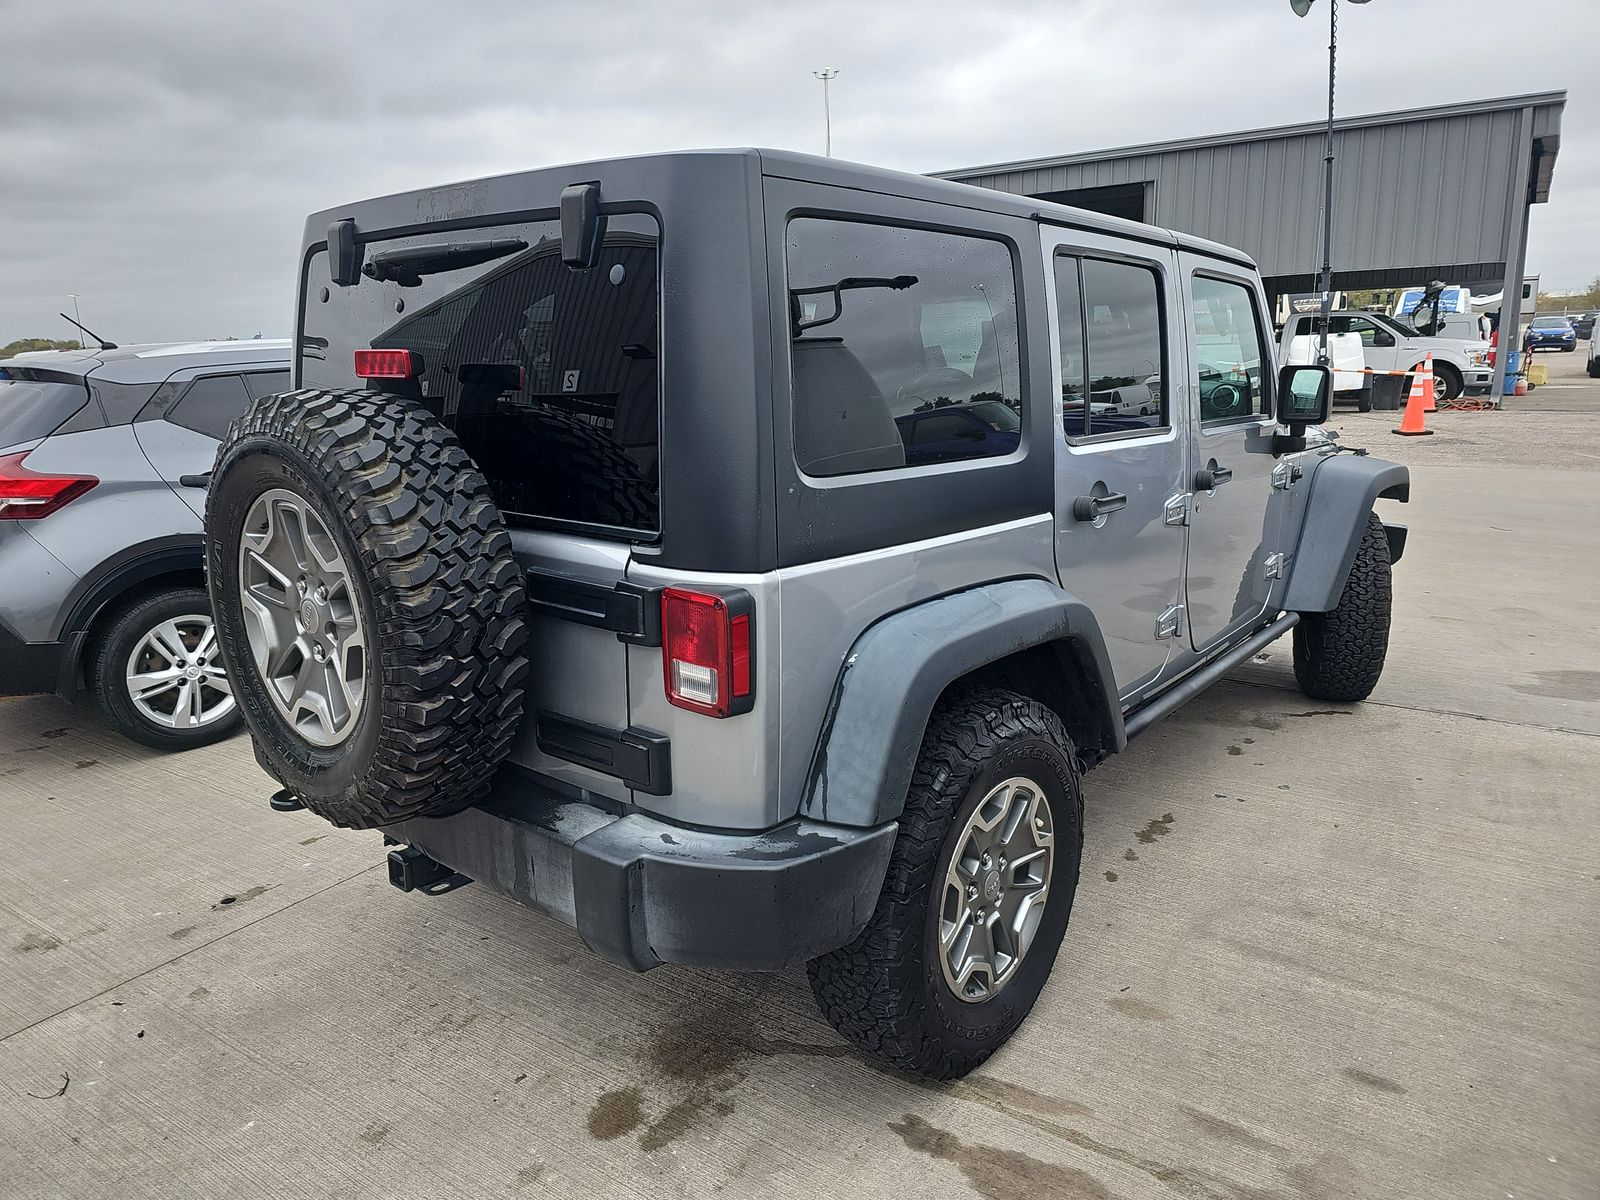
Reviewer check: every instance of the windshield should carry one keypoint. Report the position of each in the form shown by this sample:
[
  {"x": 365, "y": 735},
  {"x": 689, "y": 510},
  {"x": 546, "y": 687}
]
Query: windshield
[
  {"x": 32, "y": 408},
  {"x": 1405, "y": 329},
  {"x": 1550, "y": 323},
  {"x": 1002, "y": 418}
]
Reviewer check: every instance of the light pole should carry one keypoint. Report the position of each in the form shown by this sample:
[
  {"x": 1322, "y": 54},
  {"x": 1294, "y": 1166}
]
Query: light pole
[
  {"x": 73, "y": 296},
  {"x": 1301, "y": 8},
  {"x": 827, "y": 74}
]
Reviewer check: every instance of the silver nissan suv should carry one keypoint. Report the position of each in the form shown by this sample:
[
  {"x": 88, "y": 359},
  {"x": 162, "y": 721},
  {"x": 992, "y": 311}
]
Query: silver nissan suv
[{"x": 104, "y": 459}]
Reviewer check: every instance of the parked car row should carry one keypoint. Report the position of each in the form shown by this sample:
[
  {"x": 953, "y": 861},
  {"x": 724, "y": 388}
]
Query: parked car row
[{"x": 107, "y": 597}]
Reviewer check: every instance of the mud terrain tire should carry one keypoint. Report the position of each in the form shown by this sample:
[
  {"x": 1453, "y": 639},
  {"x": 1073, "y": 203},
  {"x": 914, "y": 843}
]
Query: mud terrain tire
[{"x": 439, "y": 595}]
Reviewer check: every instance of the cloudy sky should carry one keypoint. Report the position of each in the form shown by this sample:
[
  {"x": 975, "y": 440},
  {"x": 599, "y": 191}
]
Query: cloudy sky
[{"x": 159, "y": 159}]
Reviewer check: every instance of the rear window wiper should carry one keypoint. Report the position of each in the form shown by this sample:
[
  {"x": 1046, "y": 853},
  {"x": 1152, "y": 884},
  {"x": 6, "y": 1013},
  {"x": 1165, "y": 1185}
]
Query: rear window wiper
[{"x": 407, "y": 267}]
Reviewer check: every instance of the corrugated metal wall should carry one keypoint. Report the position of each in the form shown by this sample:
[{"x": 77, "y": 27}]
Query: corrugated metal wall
[{"x": 1430, "y": 188}]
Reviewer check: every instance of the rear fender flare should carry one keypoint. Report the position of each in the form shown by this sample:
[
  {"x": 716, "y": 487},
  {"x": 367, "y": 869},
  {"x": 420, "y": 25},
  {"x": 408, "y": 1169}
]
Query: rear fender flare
[
  {"x": 1343, "y": 489},
  {"x": 899, "y": 667}
]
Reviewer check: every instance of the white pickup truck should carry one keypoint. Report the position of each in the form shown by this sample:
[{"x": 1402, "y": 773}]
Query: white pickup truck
[{"x": 1389, "y": 344}]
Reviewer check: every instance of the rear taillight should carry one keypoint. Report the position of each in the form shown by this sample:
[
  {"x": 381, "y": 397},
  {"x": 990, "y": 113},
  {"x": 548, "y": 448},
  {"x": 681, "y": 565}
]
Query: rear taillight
[
  {"x": 385, "y": 364},
  {"x": 707, "y": 649},
  {"x": 28, "y": 495}
]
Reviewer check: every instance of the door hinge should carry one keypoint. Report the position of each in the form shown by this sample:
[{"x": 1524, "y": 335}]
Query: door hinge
[
  {"x": 1285, "y": 475},
  {"x": 1275, "y": 565},
  {"x": 1176, "y": 510},
  {"x": 1170, "y": 622}
]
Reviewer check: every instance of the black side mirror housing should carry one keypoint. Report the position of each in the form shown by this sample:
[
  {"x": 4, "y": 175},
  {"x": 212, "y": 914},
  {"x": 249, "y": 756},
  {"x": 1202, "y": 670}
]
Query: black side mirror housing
[
  {"x": 1305, "y": 397},
  {"x": 582, "y": 226}
]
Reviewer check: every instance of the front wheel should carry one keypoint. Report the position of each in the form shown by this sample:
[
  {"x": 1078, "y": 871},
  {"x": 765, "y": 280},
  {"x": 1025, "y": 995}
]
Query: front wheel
[
  {"x": 157, "y": 674},
  {"x": 977, "y": 895},
  {"x": 1339, "y": 655}
]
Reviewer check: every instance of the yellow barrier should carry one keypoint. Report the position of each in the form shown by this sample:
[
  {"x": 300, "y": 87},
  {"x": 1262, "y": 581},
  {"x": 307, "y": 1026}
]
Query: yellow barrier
[{"x": 1538, "y": 374}]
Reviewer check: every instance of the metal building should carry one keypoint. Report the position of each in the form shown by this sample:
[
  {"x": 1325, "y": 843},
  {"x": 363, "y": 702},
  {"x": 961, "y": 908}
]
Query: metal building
[{"x": 1429, "y": 193}]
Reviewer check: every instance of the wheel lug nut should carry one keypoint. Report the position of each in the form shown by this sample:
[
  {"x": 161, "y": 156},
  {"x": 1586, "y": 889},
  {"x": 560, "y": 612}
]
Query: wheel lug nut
[
  {"x": 318, "y": 653},
  {"x": 322, "y": 595},
  {"x": 972, "y": 892}
]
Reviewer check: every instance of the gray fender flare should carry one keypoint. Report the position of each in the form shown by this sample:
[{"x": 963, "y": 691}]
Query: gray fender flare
[
  {"x": 1342, "y": 491},
  {"x": 896, "y": 670}
]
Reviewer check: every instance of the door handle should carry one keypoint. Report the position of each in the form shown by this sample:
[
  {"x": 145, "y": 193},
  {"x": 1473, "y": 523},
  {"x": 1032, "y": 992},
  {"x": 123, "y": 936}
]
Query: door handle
[
  {"x": 196, "y": 481},
  {"x": 1210, "y": 478},
  {"x": 1092, "y": 508}
]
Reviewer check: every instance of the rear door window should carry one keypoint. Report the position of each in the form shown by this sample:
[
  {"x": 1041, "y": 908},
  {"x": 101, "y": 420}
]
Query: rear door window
[
  {"x": 1112, "y": 347},
  {"x": 548, "y": 375},
  {"x": 34, "y": 404}
]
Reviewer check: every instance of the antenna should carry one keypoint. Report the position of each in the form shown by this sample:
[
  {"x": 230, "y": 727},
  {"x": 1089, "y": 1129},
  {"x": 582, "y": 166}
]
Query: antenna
[{"x": 104, "y": 345}]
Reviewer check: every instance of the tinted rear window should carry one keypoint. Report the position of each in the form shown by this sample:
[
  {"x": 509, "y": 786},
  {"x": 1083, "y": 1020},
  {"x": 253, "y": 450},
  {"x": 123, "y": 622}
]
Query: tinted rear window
[
  {"x": 548, "y": 375},
  {"x": 34, "y": 407}
]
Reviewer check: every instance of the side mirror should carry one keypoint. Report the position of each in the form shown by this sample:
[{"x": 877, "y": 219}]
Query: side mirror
[
  {"x": 1382, "y": 338},
  {"x": 1305, "y": 397}
]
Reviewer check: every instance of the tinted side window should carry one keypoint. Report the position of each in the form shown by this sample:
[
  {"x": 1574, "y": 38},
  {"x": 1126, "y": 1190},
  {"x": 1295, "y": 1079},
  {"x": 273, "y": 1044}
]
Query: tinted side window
[
  {"x": 1109, "y": 316},
  {"x": 887, "y": 323},
  {"x": 1228, "y": 345},
  {"x": 266, "y": 383},
  {"x": 209, "y": 404}
]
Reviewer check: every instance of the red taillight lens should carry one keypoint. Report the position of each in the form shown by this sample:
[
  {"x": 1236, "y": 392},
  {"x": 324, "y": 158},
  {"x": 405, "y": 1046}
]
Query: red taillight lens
[
  {"x": 706, "y": 653},
  {"x": 28, "y": 495},
  {"x": 385, "y": 364}
]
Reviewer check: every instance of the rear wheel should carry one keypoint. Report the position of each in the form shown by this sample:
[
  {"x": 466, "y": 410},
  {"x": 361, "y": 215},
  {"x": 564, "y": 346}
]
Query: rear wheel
[
  {"x": 157, "y": 674},
  {"x": 1339, "y": 655},
  {"x": 977, "y": 896},
  {"x": 368, "y": 606}
]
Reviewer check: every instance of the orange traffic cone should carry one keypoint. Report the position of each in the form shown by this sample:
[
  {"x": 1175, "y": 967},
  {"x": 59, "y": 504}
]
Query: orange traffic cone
[
  {"x": 1411, "y": 424},
  {"x": 1425, "y": 376}
]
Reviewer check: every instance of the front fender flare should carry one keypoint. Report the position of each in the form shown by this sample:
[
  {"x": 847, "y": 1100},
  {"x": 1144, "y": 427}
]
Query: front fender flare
[
  {"x": 897, "y": 669},
  {"x": 1343, "y": 489}
]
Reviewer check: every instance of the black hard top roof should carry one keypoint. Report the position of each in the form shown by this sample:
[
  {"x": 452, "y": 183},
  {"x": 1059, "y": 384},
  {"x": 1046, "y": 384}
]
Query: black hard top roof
[{"x": 487, "y": 196}]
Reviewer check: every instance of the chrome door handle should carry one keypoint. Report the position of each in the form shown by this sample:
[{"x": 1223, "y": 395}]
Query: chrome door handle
[{"x": 1092, "y": 508}]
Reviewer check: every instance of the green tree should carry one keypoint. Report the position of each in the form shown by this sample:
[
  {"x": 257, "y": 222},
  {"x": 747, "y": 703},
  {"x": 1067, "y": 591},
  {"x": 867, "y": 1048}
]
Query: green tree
[{"x": 25, "y": 345}]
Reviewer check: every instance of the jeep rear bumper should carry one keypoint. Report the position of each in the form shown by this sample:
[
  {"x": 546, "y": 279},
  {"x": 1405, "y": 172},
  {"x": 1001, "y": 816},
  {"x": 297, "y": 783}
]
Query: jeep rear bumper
[{"x": 642, "y": 892}]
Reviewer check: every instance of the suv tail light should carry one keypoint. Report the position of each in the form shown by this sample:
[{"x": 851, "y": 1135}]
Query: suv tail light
[
  {"x": 707, "y": 647},
  {"x": 28, "y": 495},
  {"x": 385, "y": 364}
]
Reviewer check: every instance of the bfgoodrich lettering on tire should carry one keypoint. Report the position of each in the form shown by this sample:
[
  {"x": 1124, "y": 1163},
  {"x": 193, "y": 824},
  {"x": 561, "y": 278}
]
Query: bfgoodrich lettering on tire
[
  {"x": 977, "y": 895},
  {"x": 368, "y": 606}
]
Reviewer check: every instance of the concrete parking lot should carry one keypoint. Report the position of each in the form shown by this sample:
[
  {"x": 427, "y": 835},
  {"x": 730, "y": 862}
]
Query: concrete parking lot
[{"x": 1318, "y": 951}]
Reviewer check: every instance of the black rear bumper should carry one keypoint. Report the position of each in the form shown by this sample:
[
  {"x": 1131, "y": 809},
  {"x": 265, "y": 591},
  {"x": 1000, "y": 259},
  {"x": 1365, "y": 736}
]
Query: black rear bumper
[{"x": 642, "y": 892}]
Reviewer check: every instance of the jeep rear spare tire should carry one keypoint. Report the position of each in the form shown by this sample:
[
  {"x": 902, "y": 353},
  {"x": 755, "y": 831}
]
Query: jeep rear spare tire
[{"x": 367, "y": 603}]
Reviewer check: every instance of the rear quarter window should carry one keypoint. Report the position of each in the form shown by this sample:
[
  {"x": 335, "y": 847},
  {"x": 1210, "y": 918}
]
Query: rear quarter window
[{"x": 34, "y": 404}]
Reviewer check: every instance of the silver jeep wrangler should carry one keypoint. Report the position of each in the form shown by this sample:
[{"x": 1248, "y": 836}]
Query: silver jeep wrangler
[{"x": 741, "y": 556}]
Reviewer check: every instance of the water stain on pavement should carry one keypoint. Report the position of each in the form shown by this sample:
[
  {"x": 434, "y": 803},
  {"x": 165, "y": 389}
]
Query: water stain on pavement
[
  {"x": 1112, "y": 876},
  {"x": 1265, "y": 722},
  {"x": 251, "y": 894},
  {"x": 374, "y": 1134},
  {"x": 1158, "y": 827},
  {"x": 1377, "y": 1082},
  {"x": 1563, "y": 685},
  {"x": 37, "y": 941},
  {"x": 1139, "y": 1010},
  {"x": 1228, "y": 1131},
  {"x": 615, "y": 1114},
  {"x": 996, "y": 1173}
]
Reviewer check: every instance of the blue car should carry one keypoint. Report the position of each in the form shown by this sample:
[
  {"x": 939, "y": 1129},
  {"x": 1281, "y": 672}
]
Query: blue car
[
  {"x": 985, "y": 429},
  {"x": 1550, "y": 333}
]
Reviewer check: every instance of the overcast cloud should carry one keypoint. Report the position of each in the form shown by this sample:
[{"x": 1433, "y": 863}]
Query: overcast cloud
[{"x": 159, "y": 159}]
